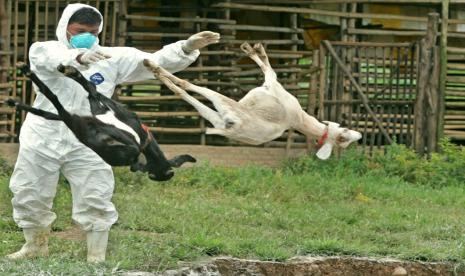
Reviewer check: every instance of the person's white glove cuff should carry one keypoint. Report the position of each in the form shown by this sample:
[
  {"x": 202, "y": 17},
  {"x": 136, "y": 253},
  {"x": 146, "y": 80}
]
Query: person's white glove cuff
[
  {"x": 185, "y": 47},
  {"x": 92, "y": 56}
]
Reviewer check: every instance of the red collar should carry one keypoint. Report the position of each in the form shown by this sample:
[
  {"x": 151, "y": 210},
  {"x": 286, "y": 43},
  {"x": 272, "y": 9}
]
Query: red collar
[
  {"x": 323, "y": 137},
  {"x": 149, "y": 136},
  {"x": 146, "y": 128}
]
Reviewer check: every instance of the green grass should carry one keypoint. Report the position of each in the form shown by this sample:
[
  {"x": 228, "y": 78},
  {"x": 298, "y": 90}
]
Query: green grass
[{"x": 351, "y": 206}]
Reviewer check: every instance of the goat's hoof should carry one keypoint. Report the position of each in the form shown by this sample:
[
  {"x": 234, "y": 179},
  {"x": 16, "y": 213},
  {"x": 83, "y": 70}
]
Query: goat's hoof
[
  {"x": 11, "y": 102},
  {"x": 152, "y": 66},
  {"x": 259, "y": 49},
  {"x": 20, "y": 64},
  {"x": 182, "y": 83},
  {"x": 23, "y": 67},
  {"x": 67, "y": 70},
  {"x": 247, "y": 48},
  {"x": 146, "y": 63},
  {"x": 61, "y": 68}
]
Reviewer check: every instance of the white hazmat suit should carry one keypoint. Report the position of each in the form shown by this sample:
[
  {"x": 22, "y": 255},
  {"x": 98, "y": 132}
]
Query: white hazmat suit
[{"x": 48, "y": 147}]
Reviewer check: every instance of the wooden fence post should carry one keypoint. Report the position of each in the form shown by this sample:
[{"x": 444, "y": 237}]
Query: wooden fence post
[{"x": 427, "y": 100}]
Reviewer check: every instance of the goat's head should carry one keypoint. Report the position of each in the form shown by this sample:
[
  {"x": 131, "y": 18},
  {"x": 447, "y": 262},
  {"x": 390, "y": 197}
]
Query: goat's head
[{"x": 337, "y": 136}]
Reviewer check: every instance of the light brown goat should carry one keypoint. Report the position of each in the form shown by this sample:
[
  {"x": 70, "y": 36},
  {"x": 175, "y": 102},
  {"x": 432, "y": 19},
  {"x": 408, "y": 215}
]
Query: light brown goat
[{"x": 263, "y": 114}]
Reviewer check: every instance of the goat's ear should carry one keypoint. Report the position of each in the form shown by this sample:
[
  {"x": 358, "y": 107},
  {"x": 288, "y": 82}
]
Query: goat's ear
[
  {"x": 325, "y": 151},
  {"x": 331, "y": 124}
]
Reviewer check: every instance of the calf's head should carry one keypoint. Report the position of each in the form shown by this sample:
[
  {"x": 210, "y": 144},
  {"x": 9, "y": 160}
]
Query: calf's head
[{"x": 157, "y": 166}]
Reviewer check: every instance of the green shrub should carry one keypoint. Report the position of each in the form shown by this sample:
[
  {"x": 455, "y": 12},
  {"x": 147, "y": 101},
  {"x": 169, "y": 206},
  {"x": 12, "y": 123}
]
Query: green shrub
[
  {"x": 352, "y": 161},
  {"x": 444, "y": 168}
]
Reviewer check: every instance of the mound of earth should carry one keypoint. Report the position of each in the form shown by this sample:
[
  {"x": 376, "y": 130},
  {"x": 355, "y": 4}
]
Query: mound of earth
[{"x": 317, "y": 266}]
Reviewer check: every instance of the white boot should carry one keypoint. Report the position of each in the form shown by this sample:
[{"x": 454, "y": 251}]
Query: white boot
[
  {"x": 96, "y": 246},
  {"x": 36, "y": 244}
]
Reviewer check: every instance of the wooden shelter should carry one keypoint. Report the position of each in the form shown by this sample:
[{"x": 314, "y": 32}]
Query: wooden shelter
[{"x": 367, "y": 64}]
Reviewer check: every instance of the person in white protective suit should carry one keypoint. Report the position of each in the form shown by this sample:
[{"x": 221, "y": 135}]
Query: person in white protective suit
[{"x": 48, "y": 147}]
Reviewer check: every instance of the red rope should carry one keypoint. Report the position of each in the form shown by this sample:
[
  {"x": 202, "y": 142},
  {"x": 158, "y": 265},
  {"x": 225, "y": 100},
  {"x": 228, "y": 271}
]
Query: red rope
[{"x": 323, "y": 138}]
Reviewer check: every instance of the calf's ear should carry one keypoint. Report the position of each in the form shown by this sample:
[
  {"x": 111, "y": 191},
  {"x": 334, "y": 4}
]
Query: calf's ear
[
  {"x": 325, "y": 151},
  {"x": 177, "y": 161}
]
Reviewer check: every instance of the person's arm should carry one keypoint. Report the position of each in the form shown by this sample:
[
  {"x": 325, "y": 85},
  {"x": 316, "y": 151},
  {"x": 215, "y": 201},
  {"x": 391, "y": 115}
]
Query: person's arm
[
  {"x": 173, "y": 57},
  {"x": 46, "y": 56},
  {"x": 131, "y": 69}
]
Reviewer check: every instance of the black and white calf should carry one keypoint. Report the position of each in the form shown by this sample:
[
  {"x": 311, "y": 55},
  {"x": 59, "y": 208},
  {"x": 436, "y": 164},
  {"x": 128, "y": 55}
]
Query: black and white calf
[{"x": 113, "y": 132}]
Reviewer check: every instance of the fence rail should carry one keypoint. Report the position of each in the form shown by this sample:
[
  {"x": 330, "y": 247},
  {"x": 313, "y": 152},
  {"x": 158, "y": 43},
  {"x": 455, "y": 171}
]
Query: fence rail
[{"x": 386, "y": 72}]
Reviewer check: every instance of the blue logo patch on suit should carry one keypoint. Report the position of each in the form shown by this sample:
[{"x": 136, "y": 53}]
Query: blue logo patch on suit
[{"x": 96, "y": 78}]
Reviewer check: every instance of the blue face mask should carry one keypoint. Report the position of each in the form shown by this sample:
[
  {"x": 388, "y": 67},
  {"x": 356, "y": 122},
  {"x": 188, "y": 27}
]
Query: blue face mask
[{"x": 83, "y": 40}]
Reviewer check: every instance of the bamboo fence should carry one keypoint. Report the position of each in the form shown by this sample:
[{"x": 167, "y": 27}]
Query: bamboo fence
[{"x": 366, "y": 77}]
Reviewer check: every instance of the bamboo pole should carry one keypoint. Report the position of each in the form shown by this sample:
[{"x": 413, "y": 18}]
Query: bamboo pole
[
  {"x": 293, "y": 77},
  {"x": 370, "y": 44},
  {"x": 443, "y": 66},
  {"x": 352, "y": 22},
  {"x": 193, "y": 130},
  {"x": 356, "y": 31},
  {"x": 357, "y": 87},
  {"x": 143, "y": 114},
  {"x": 320, "y": 12},
  {"x": 268, "y": 41},
  {"x": 311, "y": 97},
  {"x": 262, "y": 28},
  {"x": 4, "y": 34},
  {"x": 306, "y": 2},
  {"x": 122, "y": 26},
  {"x": 179, "y": 19},
  {"x": 5, "y": 121},
  {"x": 322, "y": 82},
  {"x": 202, "y": 123}
]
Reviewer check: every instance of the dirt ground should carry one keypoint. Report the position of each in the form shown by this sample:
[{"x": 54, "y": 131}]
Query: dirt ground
[
  {"x": 227, "y": 156},
  {"x": 297, "y": 266}
]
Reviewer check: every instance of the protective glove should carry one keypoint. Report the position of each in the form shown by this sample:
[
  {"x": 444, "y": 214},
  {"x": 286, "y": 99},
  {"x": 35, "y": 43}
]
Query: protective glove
[
  {"x": 92, "y": 56},
  {"x": 200, "y": 40}
]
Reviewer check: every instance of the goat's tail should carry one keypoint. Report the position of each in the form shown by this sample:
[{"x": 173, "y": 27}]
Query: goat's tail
[{"x": 178, "y": 160}]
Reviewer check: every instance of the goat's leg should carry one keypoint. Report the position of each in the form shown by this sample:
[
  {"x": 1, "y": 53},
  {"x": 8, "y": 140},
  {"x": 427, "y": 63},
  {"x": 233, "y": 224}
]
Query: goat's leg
[
  {"x": 222, "y": 103},
  {"x": 74, "y": 74},
  {"x": 260, "y": 51},
  {"x": 180, "y": 86},
  {"x": 45, "y": 114},
  {"x": 211, "y": 115},
  {"x": 64, "y": 115},
  {"x": 258, "y": 54}
]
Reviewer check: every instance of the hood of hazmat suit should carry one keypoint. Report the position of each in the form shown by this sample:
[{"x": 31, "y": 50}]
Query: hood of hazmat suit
[{"x": 63, "y": 23}]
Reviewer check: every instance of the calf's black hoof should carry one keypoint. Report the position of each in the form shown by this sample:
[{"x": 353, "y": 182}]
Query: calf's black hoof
[
  {"x": 11, "y": 102},
  {"x": 67, "y": 70},
  {"x": 23, "y": 67}
]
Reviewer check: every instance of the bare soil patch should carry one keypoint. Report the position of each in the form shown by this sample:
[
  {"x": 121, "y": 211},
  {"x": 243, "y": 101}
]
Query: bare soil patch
[
  {"x": 317, "y": 266},
  {"x": 302, "y": 265}
]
